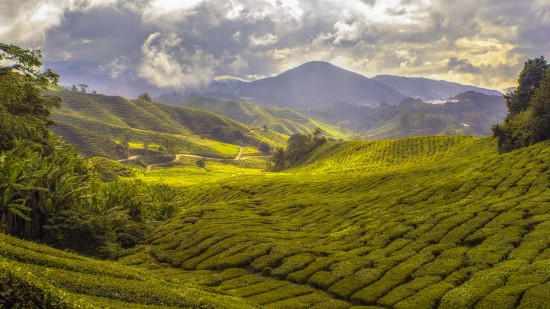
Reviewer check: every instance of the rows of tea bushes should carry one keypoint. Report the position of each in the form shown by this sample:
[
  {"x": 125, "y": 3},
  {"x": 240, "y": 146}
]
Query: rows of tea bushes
[
  {"x": 415, "y": 223},
  {"x": 37, "y": 276}
]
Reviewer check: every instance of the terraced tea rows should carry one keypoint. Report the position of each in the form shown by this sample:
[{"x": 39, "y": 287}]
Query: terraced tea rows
[
  {"x": 414, "y": 223},
  {"x": 97, "y": 123},
  {"x": 39, "y": 276}
]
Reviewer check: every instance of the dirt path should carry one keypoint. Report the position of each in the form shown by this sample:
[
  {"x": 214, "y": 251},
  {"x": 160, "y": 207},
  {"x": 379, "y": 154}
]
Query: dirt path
[{"x": 239, "y": 154}]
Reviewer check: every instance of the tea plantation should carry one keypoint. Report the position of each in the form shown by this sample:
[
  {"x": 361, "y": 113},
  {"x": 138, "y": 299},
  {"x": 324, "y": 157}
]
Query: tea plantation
[
  {"x": 37, "y": 276},
  {"x": 425, "y": 222},
  {"x": 415, "y": 223}
]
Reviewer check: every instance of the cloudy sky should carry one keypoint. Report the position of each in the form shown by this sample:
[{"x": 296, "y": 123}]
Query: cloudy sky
[{"x": 183, "y": 44}]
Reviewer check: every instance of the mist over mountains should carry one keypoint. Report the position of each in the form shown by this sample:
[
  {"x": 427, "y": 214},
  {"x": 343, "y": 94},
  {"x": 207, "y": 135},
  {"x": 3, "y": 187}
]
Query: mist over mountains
[{"x": 314, "y": 84}]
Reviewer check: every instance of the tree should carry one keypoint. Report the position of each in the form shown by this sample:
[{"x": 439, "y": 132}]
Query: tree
[
  {"x": 278, "y": 159},
  {"x": 528, "y": 81},
  {"x": 298, "y": 147},
  {"x": 170, "y": 145},
  {"x": 73, "y": 88},
  {"x": 200, "y": 163},
  {"x": 83, "y": 87},
  {"x": 264, "y": 147},
  {"x": 528, "y": 118},
  {"x": 145, "y": 96},
  {"x": 24, "y": 111},
  {"x": 541, "y": 110}
]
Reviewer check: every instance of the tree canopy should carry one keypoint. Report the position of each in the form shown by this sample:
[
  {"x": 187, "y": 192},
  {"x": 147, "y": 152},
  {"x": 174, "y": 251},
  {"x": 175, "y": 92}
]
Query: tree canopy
[
  {"x": 528, "y": 118},
  {"x": 298, "y": 147},
  {"x": 25, "y": 112}
]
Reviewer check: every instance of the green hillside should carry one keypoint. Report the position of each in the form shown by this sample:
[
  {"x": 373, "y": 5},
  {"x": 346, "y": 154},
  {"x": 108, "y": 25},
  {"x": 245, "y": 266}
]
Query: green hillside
[
  {"x": 41, "y": 277},
  {"x": 415, "y": 223},
  {"x": 282, "y": 120},
  {"x": 97, "y": 123}
]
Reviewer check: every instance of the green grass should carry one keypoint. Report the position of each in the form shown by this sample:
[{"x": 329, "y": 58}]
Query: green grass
[
  {"x": 189, "y": 174},
  {"x": 411, "y": 223}
]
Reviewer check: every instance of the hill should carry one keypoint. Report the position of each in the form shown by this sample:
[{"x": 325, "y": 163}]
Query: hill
[
  {"x": 469, "y": 113},
  {"x": 282, "y": 120},
  {"x": 42, "y": 277},
  {"x": 429, "y": 89},
  {"x": 104, "y": 125},
  {"x": 415, "y": 223}
]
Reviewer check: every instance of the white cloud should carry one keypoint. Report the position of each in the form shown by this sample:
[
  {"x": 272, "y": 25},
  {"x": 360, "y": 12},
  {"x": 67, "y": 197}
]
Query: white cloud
[
  {"x": 160, "y": 11},
  {"x": 165, "y": 64},
  {"x": 195, "y": 39},
  {"x": 25, "y": 22},
  {"x": 347, "y": 32},
  {"x": 265, "y": 40},
  {"x": 117, "y": 66}
]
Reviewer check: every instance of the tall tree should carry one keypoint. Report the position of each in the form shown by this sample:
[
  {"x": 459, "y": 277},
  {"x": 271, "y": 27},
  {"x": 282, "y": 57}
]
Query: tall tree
[
  {"x": 528, "y": 119},
  {"x": 529, "y": 79},
  {"x": 541, "y": 110},
  {"x": 25, "y": 112}
]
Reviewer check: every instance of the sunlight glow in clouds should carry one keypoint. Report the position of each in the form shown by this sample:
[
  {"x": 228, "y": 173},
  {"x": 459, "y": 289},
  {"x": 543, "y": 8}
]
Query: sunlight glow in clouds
[{"x": 480, "y": 42}]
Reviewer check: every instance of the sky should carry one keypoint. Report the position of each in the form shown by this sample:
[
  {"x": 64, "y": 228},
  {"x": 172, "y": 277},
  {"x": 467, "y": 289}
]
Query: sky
[{"x": 177, "y": 45}]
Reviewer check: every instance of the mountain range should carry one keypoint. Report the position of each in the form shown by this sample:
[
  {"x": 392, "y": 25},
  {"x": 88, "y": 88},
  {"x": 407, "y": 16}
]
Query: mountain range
[
  {"x": 312, "y": 85},
  {"x": 317, "y": 85}
]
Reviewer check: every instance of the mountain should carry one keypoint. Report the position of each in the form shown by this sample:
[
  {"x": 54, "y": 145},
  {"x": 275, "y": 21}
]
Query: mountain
[
  {"x": 283, "y": 120},
  {"x": 429, "y": 89},
  {"x": 316, "y": 85}
]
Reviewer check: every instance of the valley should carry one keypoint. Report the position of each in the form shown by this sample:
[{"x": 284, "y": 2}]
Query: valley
[
  {"x": 288, "y": 198},
  {"x": 342, "y": 230}
]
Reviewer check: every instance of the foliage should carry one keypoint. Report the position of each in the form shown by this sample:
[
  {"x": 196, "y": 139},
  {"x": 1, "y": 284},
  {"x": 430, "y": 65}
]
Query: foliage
[
  {"x": 200, "y": 163},
  {"x": 24, "y": 111},
  {"x": 21, "y": 289},
  {"x": 145, "y": 96},
  {"x": 528, "y": 119},
  {"x": 36, "y": 181},
  {"x": 298, "y": 146},
  {"x": 529, "y": 80},
  {"x": 264, "y": 147}
]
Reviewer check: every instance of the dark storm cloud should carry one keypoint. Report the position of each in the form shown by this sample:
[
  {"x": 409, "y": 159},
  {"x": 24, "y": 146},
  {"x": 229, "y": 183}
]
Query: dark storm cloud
[
  {"x": 462, "y": 65},
  {"x": 179, "y": 44},
  {"x": 97, "y": 35}
]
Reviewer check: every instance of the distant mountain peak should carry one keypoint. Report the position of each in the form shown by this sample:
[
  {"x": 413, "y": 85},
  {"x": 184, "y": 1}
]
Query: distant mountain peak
[{"x": 316, "y": 66}]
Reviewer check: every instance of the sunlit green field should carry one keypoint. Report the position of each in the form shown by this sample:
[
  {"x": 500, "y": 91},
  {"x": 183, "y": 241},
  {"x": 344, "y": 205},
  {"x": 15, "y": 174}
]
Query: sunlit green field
[
  {"x": 415, "y": 223},
  {"x": 41, "y": 277},
  {"x": 191, "y": 174},
  {"x": 423, "y": 222}
]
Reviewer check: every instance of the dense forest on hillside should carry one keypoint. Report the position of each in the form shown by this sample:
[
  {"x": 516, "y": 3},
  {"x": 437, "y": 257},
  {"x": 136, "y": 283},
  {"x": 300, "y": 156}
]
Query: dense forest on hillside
[{"x": 469, "y": 113}]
